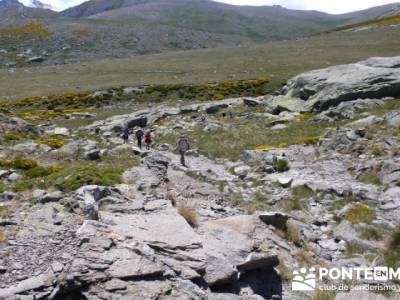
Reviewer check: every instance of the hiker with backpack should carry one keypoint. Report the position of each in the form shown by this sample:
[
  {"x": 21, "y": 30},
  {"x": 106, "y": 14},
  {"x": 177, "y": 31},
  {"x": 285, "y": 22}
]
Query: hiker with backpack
[
  {"x": 139, "y": 136},
  {"x": 125, "y": 135},
  {"x": 183, "y": 147},
  {"x": 148, "y": 139}
]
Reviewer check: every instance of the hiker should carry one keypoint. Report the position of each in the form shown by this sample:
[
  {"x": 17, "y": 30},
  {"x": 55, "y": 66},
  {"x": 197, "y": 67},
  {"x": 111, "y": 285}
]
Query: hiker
[
  {"x": 139, "y": 137},
  {"x": 148, "y": 140},
  {"x": 125, "y": 135},
  {"x": 183, "y": 146}
]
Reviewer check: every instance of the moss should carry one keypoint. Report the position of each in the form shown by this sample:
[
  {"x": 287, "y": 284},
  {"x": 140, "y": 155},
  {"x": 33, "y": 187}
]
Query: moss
[
  {"x": 6, "y": 163},
  {"x": 53, "y": 142},
  {"x": 24, "y": 163},
  {"x": 75, "y": 177},
  {"x": 282, "y": 165},
  {"x": 40, "y": 171},
  {"x": 360, "y": 213}
]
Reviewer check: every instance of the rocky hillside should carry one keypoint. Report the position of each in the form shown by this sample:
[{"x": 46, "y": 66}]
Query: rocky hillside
[
  {"x": 308, "y": 176},
  {"x": 114, "y": 29}
]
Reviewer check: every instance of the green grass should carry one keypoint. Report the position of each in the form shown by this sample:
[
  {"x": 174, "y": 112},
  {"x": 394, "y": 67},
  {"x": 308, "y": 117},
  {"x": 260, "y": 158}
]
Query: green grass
[
  {"x": 360, "y": 213},
  {"x": 72, "y": 177},
  {"x": 276, "y": 60},
  {"x": 244, "y": 134},
  {"x": 370, "y": 177},
  {"x": 371, "y": 234},
  {"x": 392, "y": 253}
]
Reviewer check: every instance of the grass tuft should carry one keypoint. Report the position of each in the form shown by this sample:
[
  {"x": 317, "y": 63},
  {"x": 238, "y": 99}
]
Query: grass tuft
[{"x": 190, "y": 215}]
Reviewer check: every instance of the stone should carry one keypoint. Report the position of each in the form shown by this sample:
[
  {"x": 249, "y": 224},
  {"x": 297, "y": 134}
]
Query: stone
[
  {"x": 393, "y": 118},
  {"x": 32, "y": 283},
  {"x": 61, "y": 131},
  {"x": 57, "y": 267},
  {"x": 138, "y": 267},
  {"x": 14, "y": 177},
  {"x": 276, "y": 219},
  {"x": 91, "y": 209},
  {"x": 51, "y": 197},
  {"x": 319, "y": 90},
  {"x": 94, "y": 154},
  {"x": 390, "y": 199},
  {"x": 36, "y": 59},
  {"x": 251, "y": 102},
  {"x": 259, "y": 261},
  {"x": 285, "y": 181},
  {"x": 219, "y": 272},
  {"x": 7, "y": 196},
  {"x": 115, "y": 284}
]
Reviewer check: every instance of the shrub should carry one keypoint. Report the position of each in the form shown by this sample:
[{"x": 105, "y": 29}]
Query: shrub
[
  {"x": 311, "y": 141},
  {"x": 324, "y": 295},
  {"x": 189, "y": 214},
  {"x": 302, "y": 192},
  {"x": 371, "y": 234},
  {"x": 293, "y": 234},
  {"x": 6, "y": 163},
  {"x": 360, "y": 213},
  {"x": 53, "y": 142},
  {"x": 284, "y": 272},
  {"x": 370, "y": 178},
  {"x": 2, "y": 187},
  {"x": 40, "y": 171},
  {"x": 10, "y": 137},
  {"x": 392, "y": 253},
  {"x": 282, "y": 165},
  {"x": 218, "y": 97},
  {"x": 3, "y": 236},
  {"x": 24, "y": 163},
  {"x": 171, "y": 196},
  {"x": 75, "y": 177},
  {"x": 377, "y": 150},
  {"x": 293, "y": 204}
]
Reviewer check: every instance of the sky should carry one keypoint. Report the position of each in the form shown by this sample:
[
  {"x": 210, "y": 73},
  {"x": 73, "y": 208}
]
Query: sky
[{"x": 335, "y": 7}]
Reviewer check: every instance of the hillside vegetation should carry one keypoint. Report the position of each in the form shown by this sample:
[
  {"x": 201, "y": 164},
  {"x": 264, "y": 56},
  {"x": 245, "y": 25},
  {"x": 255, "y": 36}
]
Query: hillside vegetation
[{"x": 277, "y": 60}]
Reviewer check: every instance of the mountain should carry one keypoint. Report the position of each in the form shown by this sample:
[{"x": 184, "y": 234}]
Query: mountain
[
  {"x": 38, "y": 4},
  {"x": 13, "y": 12}
]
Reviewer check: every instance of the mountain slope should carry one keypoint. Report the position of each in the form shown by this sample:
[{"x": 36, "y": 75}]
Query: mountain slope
[{"x": 14, "y": 12}]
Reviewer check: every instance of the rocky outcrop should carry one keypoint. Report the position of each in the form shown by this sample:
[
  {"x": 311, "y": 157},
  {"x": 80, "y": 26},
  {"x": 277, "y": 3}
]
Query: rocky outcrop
[
  {"x": 319, "y": 90},
  {"x": 13, "y": 124}
]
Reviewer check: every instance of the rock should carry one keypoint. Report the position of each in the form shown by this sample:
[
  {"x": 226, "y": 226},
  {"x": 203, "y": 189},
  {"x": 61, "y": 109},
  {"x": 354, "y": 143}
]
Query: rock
[
  {"x": 241, "y": 170},
  {"x": 276, "y": 219},
  {"x": 61, "y": 131},
  {"x": 115, "y": 284},
  {"x": 259, "y": 261},
  {"x": 94, "y": 154},
  {"x": 7, "y": 196},
  {"x": 51, "y": 197},
  {"x": 214, "y": 108},
  {"x": 36, "y": 59},
  {"x": 320, "y": 89},
  {"x": 362, "y": 123},
  {"x": 358, "y": 294},
  {"x": 138, "y": 267},
  {"x": 344, "y": 231},
  {"x": 278, "y": 127},
  {"x": 26, "y": 148},
  {"x": 219, "y": 272},
  {"x": 393, "y": 118},
  {"x": 14, "y": 177},
  {"x": 57, "y": 267},
  {"x": 14, "y": 124},
  {"x": 330, "y": 245},
  {"x": 251, "y": 102},
  {"x": 285, "y": 181},
  {"x": 33, "y": 283},
  {"x": 390, "y": 199},
  {"x": 91, "y": 210}
]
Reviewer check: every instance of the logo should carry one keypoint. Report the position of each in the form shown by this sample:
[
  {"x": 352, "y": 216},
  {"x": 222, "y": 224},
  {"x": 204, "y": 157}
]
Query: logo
[{"x": 304, "y": 280}]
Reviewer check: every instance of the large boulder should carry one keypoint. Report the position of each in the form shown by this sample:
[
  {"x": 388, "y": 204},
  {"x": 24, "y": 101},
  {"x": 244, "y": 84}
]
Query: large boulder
[{"x": 320, "y": 89}]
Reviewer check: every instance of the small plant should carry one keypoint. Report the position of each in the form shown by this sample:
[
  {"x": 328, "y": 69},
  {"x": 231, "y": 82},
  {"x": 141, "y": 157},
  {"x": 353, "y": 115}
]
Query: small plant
[
  {"x": 293, "y": 204},
  {"x": 293, "y": 234},
  {"x": 351, "y": 250},
  {"x": 370, "y": 178},
  {"x": 189, "y": 214},
  {"x": 24, "y": 163},
  {"x": 323, "y": 295},
  {"x": 371, "y": 234},
  {"x": 284, "y": 272},
  {"x": 3, "y": 236},
  {"x": 392, "y": 253},
  {"x": 360, "y": 213},
  {"x": 311, "y": 140},
  {"x": 53, "y": 142},
  {"x": 282, "y": 165},
  {"x": 40, "y": 171},
  {"x": 171, "y": 196},
  {"x": 377, "y": 150}
]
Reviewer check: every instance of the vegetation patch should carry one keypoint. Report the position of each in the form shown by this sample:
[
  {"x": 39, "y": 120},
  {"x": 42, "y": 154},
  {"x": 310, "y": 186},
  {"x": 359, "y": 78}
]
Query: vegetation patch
[
  {"x": 323, "y": 295},
  {"x": 19, "y": 163},
  {"x": 53, "y": 142},
  {"x": 23, "y": 33},
  {"x": 371, "y": 234},
  {"x": 40, "y": 171},
  {"x": 392, "y": 253},
  {"x": 360, "y": 213},
  {"x": 377, "y": 150},
  {"x": 370, "y": 177},
  {"x": 190, "y": 215},
  {"x": 282, "y": 165}
]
